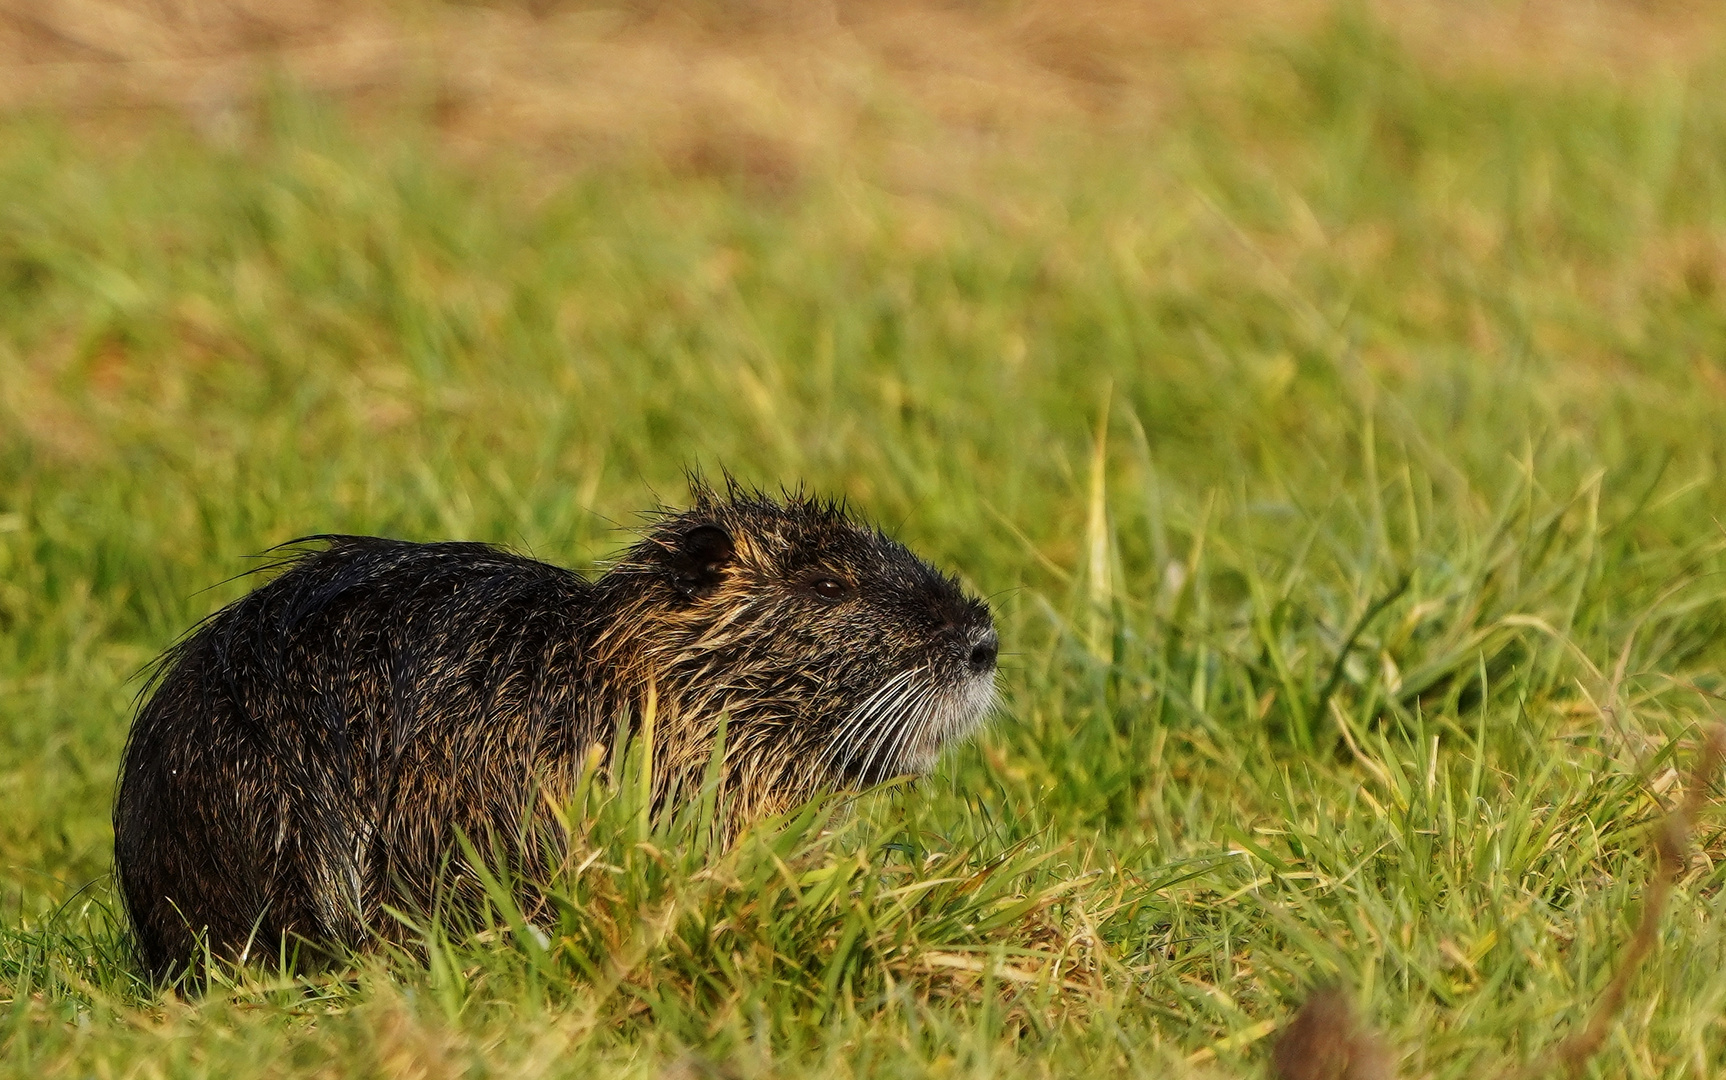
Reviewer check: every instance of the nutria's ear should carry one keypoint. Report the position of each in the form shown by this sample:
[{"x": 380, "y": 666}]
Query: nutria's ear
[{"x": 701, "y": 554}]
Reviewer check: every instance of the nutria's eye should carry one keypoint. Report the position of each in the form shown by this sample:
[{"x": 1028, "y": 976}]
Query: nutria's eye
[{"x": 829, "y": 588}]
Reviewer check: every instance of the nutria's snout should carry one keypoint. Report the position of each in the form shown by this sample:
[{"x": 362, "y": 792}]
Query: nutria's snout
[
  {"x": 934, "y": 705},
  {"x": 985, "y": 647}
]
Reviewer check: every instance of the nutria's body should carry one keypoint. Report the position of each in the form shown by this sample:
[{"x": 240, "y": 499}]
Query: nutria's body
[{"x": 308, "y": 754}]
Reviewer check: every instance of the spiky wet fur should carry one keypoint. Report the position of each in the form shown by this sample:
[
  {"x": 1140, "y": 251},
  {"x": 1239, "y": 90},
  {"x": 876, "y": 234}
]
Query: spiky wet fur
[{"x": 308, "y": 753}]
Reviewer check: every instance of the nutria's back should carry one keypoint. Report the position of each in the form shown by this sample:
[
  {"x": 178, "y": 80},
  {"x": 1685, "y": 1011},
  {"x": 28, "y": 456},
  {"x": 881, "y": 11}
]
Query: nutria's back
[{"x": 307, "y": 755}]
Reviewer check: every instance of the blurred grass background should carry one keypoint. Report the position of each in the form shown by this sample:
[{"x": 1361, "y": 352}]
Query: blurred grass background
[{"x": 1328, "y": 396}]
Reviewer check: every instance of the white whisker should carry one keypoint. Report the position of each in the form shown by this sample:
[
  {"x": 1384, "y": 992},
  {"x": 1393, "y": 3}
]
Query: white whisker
[
  {"x": 863, "y": 717},
  {"x": 875, "y": 736},
  {"x": 889, "y": 732},
  {"x": 870, "y": 739}
]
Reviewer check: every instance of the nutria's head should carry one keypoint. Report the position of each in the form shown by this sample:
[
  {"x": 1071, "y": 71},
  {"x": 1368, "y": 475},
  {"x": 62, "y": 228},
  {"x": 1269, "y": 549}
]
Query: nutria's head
[{"x": 839, "y": 657}]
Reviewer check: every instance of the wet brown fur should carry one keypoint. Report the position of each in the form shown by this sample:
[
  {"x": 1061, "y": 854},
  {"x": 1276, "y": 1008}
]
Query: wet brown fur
[{"x": 309, "y": 752}]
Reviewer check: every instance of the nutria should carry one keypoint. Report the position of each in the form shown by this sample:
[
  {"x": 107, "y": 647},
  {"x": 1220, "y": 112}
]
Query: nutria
[{"x": 307, "y": 754}]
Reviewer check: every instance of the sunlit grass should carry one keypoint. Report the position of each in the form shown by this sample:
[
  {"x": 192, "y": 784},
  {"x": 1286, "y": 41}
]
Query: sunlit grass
[{"x": 1342, "y": 455}]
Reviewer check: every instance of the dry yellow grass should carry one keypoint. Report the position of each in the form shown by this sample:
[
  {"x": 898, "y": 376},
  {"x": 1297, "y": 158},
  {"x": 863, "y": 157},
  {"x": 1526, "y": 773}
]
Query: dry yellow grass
[{"x": 760, "y": 88}]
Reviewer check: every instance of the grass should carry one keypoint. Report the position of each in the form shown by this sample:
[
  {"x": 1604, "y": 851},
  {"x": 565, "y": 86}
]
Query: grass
[{"x": 1340, "y": 447}]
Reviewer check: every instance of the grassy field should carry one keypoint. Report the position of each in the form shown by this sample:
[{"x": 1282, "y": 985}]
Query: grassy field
[{"x": 1333, "y": 416}]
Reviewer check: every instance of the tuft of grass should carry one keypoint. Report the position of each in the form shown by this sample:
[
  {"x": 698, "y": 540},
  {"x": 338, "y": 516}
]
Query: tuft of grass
[{"x": 658, "y": 924}]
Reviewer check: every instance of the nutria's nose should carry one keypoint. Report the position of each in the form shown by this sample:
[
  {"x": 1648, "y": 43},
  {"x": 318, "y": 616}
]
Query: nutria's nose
[{"x": 983, "y": 653}]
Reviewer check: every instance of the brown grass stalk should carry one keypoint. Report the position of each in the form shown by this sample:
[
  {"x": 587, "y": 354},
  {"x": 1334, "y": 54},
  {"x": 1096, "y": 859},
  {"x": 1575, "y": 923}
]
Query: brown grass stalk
[{"x": 1671, "y": 848}]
